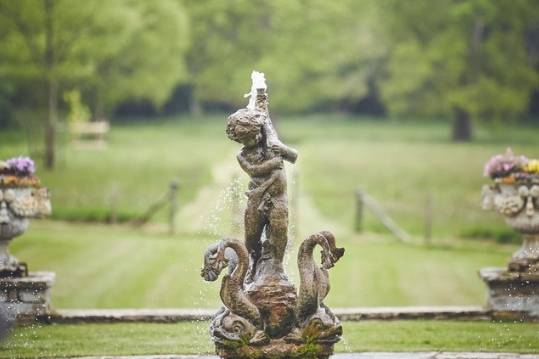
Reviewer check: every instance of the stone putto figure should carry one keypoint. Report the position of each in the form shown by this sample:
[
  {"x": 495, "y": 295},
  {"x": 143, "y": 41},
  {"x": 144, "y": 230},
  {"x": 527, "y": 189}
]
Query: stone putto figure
[{"x": 263, "y": 316}]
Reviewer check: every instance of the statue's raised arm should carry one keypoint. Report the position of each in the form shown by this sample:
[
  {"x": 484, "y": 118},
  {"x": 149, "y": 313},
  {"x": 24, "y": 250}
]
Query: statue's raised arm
[{"x": 258, "y": 100}]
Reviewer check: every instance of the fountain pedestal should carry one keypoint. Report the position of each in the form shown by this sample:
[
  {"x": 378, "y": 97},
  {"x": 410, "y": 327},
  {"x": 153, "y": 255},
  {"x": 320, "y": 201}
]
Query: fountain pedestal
[
  {"x": 263, "y": 317},
  {"x": 278, "y": 348}
]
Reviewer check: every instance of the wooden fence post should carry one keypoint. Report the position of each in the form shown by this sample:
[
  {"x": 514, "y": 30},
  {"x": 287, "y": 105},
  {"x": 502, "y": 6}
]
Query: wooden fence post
[
  {"x": 363, "y": 200},
  {"x": 359, "y": 210}
]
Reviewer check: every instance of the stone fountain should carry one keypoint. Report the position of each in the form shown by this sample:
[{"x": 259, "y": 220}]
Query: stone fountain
[
  {"x": 22, "y": 294},
  {"x": 515, "y": 195},
  {"x": 263, "y": 315}
]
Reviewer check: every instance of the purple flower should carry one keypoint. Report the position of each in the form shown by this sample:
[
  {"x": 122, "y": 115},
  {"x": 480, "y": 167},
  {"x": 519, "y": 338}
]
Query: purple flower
[
  {"x": 23, "y": 166},
  {"x": 504, "y": 165}
]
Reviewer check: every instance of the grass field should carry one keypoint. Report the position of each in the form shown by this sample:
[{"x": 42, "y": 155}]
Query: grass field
[
  {"x": 132, "y": 172},
  {"x": 119, "y": 267},
  {"x": 192, "y": 338},
  {"x": 398, "y": 163}
]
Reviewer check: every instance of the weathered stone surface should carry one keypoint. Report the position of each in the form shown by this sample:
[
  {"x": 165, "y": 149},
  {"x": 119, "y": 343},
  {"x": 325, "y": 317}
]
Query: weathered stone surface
[
  {"x": 27, "y": 297},
  {"x": 278, "y": 348},
  {"x": 275, "y": 298},
  {"x": 517, "y": 287},
  {"x": 344, "y": 314},
  {"x": 129, "y": 315},
  {"x": 511, "y": 291},
  {"x": 413, "y": 313},
  {"x": 17, "y": 205},
  {"x": 263, "y": 317}
]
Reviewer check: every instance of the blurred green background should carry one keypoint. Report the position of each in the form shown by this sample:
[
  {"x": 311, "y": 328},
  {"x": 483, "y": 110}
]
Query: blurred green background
[{"x": 406, "y": 100}]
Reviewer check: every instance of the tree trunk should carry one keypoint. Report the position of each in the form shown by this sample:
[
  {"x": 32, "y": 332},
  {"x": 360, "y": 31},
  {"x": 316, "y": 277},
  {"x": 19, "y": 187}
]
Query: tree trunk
[
  {"x": 52, "y": 84},
  {"x": 462, "y": 126},
  {"x": 195, "y": 108},
  {"x": 50, "y": 126}
]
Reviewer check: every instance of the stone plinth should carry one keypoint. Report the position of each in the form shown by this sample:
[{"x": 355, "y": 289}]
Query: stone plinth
[
  {"x": 511, "y": 291},
  {"x": 27, "y": 297},
  {"x": 277, "y": 348}
]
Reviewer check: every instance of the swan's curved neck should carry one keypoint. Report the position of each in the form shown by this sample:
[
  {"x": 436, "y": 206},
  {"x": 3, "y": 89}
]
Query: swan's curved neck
[
  {"x": 307, "y": 247},
  {"x": 240, "y": 271}
]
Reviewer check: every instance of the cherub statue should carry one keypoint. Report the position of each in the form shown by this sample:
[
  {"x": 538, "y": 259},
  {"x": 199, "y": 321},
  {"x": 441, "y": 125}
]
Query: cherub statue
[{"x": 261, "y": 157}]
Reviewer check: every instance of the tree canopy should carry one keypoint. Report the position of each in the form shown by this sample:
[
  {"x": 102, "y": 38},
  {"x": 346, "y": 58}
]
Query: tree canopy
[
  {"x": 470, "y": 58},
  {"x": 467, "y": 59},
  {"x": 111, "y": 49}
]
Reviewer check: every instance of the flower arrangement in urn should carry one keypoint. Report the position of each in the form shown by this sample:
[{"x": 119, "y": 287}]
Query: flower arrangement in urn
[
  {"x": 21, "y": 198},
  {"x": 511, "y": 169}
]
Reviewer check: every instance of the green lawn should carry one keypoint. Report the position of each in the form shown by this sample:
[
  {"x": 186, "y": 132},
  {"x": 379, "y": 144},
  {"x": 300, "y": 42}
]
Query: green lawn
[
  {"x": 119, "y": 267},
  {"x": 133, "y": 171},
  {"x": 398, "y": 163},
  {"x": 193, "y": 338}
]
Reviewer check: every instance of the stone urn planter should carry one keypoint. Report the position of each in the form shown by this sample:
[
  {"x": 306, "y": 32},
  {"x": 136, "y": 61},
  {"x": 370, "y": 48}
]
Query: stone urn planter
[
  {"x": 21, "y": 198},
  {"x": 515, "y": 195}
]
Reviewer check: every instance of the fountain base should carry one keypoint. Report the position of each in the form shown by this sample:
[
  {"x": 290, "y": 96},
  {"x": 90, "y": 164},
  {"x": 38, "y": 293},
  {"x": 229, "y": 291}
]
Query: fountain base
[
  {"x": 275, "y": 298},
  {"x": 277, "y": 349},
  {"x": 26, "y": 297},
  {"x": 511, "y": 291}
]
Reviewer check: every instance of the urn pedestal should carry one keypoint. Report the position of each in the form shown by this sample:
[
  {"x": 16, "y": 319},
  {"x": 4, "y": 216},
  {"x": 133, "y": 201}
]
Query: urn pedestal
[
  {"x": 25, "y": 298},
  {"x": 515, "y": 288},
  {"x": 511, "y": 291}
]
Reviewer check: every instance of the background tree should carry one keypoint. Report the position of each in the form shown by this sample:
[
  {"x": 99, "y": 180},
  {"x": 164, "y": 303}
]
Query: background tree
[
  {"x": 113, "y": 48},
  {"x": 47, "y": 42},
  {"x": 227, "y": 40},
  {"x": 321, "y": 54},
  {"x": 317, "y": 52},
  {"x": 466, "y": 58},
  {"x": 148, "y": 61}
]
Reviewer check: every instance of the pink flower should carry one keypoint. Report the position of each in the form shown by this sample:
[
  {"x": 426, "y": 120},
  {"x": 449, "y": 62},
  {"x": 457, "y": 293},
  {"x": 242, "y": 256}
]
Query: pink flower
[{"x": 504, "y": 165}]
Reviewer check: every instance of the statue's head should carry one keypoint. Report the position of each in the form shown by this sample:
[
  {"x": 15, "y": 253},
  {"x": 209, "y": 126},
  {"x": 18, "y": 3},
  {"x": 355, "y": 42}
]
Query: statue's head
[
  {"x": 228, "y": 329},
  {"x": 330, "y": 254},
  {"x": 214, "y": 262},
  {"x": 245, "y": 126},
  {"x": 322, "y": 327},
  {"x": 330, "y": 257}
]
